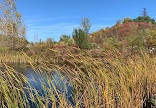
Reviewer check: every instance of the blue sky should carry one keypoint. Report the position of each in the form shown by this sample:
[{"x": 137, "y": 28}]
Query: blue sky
[{"x": 52, "y": 18}]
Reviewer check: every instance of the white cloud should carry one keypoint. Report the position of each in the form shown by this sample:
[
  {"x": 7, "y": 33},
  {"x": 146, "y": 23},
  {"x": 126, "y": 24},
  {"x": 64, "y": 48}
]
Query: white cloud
[
  {"x": 48, "y": 27},
  {"x": 100, "y": 26},
  {"x": 53, "y": 30},
  {"x": 39, "y": 19}
]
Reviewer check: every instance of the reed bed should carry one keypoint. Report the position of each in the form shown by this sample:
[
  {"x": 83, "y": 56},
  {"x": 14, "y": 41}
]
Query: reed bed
[
  {"x": 13, "y": 57},
  {"x": 113, "y": 82},
  {"x": 12, "y": 92},
  {"x": 17, "y": 92}
]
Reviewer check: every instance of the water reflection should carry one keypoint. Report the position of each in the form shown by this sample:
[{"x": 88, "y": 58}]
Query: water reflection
[{"x": 42, "y": 82}]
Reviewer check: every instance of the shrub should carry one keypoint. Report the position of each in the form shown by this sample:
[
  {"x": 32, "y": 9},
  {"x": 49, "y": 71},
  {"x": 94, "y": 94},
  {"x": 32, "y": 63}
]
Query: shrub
[
  {"x": 71, "y": 42},
  {"x": 94, "y": 45},
  {"x": 128, "y": 19},
  {"x": 81, "y": 38}
]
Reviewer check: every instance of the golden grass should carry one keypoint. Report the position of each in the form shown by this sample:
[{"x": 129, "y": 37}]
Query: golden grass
[
  {"x": 12, "y": 93},
  {"x": 13, "y": 57},
  {"x": 117, "y": 82},
  {"x": 114, "y": 81}
]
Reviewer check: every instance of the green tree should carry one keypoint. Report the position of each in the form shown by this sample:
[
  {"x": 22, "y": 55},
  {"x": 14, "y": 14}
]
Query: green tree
[
  {"x": 50, "y": 40},
  {"x": 40, "y": 42},
  {"x": 64, "y": 38},
  {"x": 85, "y": 25},
  {"x": 128, "y": 19},
  {"x": 119, "y": 21},
  {"x": 81, "y": 38},
  {"x": 144, "y": 19}
]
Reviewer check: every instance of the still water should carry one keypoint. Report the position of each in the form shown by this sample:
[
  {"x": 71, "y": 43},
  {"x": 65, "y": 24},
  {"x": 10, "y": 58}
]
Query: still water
[{"x": 38, "y": 79}]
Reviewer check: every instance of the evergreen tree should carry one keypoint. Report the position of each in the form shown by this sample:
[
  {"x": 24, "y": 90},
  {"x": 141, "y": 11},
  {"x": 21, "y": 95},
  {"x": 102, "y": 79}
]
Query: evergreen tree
[
  {"x": 81, "y": 38},
  {"x": 144, "y": 18},
  {"x": 144, "y": 12},
  {"x": 81, "y": 35}
]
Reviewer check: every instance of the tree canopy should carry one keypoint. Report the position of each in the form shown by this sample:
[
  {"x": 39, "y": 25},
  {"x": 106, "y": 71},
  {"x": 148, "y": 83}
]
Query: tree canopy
[
  {"x": 144, "y": 18},
  {"x": 85, "y": 25},
  {"x": 11, "y": 23}
]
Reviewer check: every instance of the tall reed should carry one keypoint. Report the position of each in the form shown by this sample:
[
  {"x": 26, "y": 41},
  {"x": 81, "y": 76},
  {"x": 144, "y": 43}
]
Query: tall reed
[
  {"x": 12, "y": 92},
  {"x": 116, "y": 82},
  {"x": 13, "y": 57}
]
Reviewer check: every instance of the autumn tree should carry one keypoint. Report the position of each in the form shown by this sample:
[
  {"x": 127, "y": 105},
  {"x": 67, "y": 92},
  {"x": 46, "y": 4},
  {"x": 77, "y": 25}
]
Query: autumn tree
[{"x": 11, "y": 24}]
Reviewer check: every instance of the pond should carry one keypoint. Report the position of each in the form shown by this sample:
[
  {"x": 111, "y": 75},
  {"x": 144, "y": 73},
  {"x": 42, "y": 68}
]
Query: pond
[{"x": 42, "y": 81}]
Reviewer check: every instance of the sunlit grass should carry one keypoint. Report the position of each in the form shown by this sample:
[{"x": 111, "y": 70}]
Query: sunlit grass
[
  {"x": 13, "y": 57},
  {"x": 12, "y": 93},
  {"x": 97, "y": 82}
]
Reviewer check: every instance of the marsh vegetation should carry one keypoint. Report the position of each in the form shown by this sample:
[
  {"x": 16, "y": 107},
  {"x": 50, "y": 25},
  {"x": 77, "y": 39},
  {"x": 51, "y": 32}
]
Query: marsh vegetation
[{"x": 111, "y": 68}]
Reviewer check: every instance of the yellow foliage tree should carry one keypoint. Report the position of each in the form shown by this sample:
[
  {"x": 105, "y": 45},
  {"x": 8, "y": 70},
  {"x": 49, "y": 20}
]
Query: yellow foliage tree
[{"x": 11, "y": 23}]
